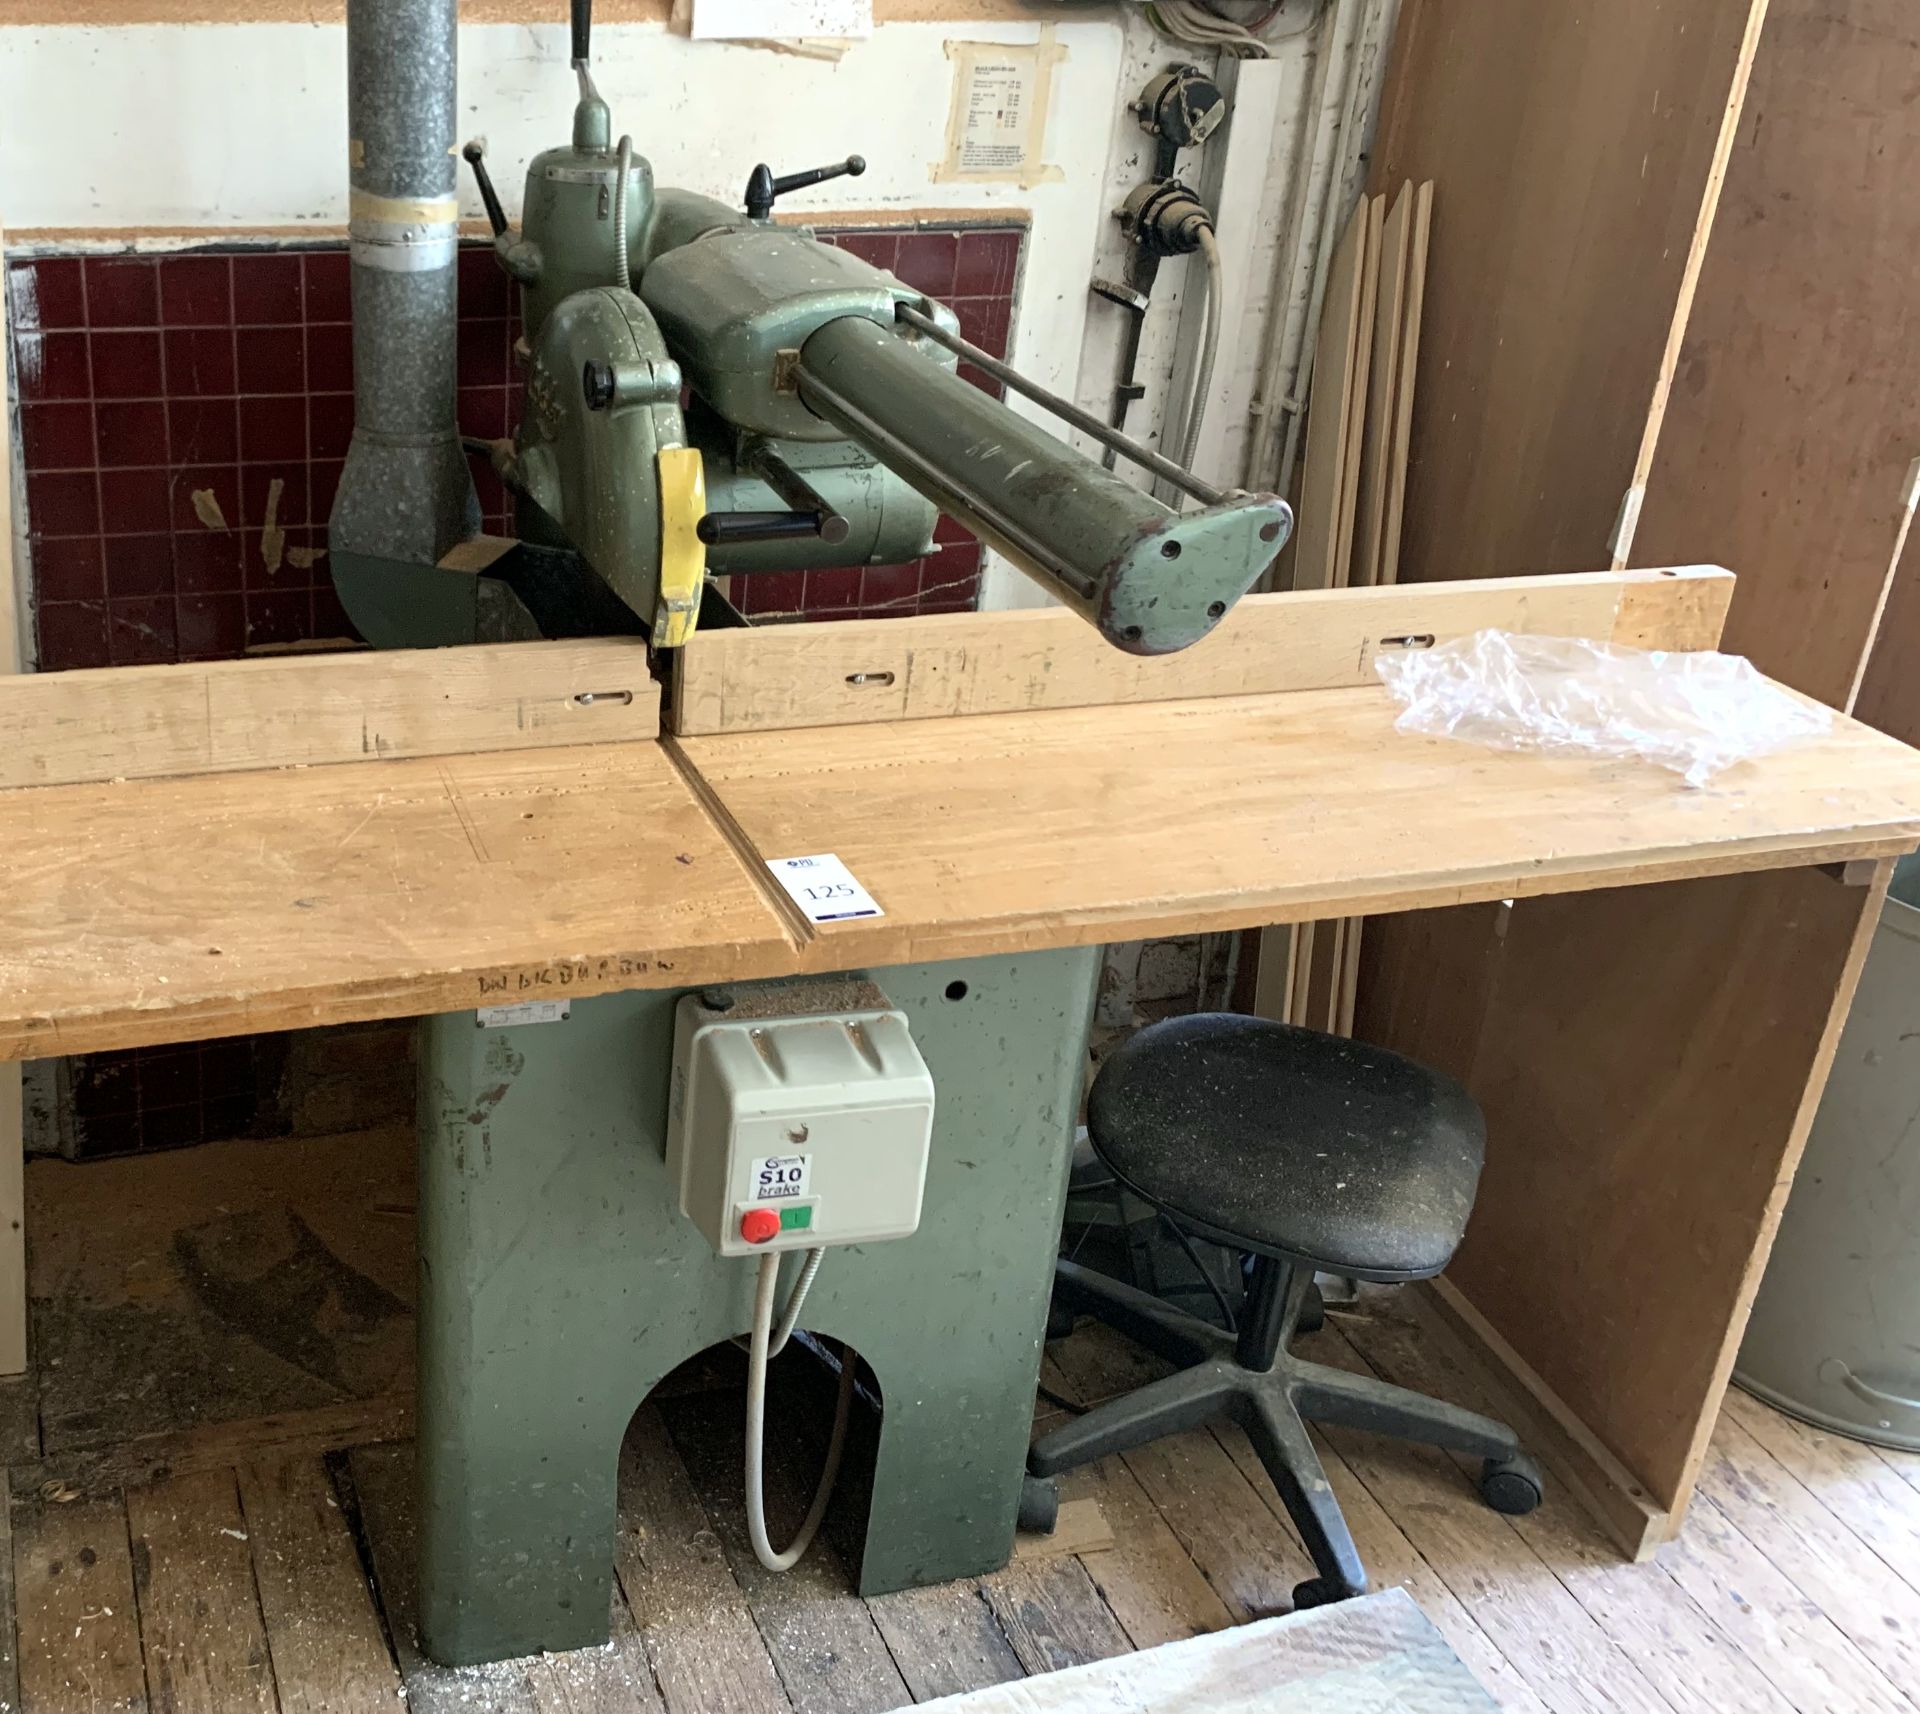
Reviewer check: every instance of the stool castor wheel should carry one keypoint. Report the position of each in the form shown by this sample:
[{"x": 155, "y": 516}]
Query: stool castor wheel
[
  {"x": 1322, "y": 1592},
  {"x": 1060, "y": 1320},
  {"x": 1313, "y": 1311},
  {"x": 1512, "y": 1485},
  {"x": 1039, "y": 1504}
]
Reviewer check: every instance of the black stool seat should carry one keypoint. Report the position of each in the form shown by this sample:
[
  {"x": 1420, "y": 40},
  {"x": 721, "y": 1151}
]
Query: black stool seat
[{"x": 1293, "y": 1144}]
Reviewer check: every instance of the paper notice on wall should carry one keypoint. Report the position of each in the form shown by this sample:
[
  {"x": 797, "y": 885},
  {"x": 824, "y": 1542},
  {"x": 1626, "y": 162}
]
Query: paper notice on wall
[
  {"x": 997, "y": 124},
  {"x": 999, "y": 105},
  {"x": 722, "y": 20}
]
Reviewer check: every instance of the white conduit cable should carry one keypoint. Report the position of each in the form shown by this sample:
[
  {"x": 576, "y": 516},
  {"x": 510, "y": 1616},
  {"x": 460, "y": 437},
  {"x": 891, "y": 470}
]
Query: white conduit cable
[
  {"x": 1209, "y": 348},
  {"x": 1298, "y": 285},
  {"x": 762, "y": 1344}
]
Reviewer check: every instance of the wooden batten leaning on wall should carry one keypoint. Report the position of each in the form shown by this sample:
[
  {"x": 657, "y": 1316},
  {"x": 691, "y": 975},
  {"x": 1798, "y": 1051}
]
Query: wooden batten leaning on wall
[{"x": 1352, "y": 504}]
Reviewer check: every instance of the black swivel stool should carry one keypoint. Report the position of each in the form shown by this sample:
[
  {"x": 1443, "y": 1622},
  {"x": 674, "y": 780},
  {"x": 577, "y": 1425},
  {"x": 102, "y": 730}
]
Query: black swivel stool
[{"x": 1310, "y": 1152}]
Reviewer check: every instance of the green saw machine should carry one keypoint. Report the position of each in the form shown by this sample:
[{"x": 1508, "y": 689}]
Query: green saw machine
[{"x": 609, "y": 1188}]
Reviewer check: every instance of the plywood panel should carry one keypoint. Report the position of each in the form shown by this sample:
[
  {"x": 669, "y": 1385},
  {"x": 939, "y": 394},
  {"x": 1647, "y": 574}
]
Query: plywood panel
[
  {"x": 1644, "y": 1125},
  {"x": 1570, "y": 148},
  {"x": 175, "y": 909},
  {"x": 996, "y": 833},
  {"x": 847, "y": 672},
  {"x": 1795, "y": 414}
]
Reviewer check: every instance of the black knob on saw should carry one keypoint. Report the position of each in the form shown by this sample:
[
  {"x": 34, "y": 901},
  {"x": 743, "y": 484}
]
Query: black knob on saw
[
  {"x": 582, "y": 31},
  {"x": 475, "y": 155},
  {"x": 719, "y": 529},
  {"x": 763, "y": 189}
]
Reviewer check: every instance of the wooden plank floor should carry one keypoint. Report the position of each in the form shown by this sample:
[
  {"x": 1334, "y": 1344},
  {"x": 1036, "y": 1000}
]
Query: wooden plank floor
[{"x": 218, "y": 1560}]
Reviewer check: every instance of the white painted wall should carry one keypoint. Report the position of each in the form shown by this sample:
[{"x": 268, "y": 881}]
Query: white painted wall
[
  {"x": 1130, "y": 157},
  {"x": 175, "y": 129}
]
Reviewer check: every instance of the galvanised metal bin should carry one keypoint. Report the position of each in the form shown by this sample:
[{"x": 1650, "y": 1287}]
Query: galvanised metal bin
[{"x": 1835, "y": 1333}]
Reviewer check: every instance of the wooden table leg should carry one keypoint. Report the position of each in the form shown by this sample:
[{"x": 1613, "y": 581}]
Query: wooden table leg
[
  {"x": 13, "y": 1225},
  {"x": 1650, "y": 1061}
]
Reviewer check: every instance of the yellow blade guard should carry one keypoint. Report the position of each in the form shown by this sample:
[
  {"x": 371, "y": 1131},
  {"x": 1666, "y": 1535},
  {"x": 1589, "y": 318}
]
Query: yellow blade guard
[{"x": 683, "y": 556}]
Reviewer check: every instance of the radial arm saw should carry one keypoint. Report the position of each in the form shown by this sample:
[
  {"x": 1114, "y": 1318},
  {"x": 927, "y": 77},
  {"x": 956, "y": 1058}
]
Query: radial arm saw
[{"x": 708, "y": 392}]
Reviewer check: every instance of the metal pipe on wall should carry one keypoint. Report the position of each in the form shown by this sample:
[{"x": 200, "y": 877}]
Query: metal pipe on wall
[{"x": 406, "y": 495}]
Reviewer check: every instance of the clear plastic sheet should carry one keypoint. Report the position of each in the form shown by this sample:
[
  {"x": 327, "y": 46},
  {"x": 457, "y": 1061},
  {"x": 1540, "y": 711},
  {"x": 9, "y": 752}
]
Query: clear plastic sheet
[{"x": 1695, "y": 713}]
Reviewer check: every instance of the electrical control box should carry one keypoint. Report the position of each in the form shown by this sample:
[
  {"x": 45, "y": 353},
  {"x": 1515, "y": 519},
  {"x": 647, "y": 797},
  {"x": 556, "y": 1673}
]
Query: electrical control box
[{"x": 800, "y": 1116}]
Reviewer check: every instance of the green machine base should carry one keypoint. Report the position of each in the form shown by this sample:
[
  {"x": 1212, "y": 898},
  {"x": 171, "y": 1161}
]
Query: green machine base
[{"x": 559, "y": 1282}]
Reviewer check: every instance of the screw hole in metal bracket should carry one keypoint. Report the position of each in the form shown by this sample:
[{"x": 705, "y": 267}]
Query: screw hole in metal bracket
[
  {"x": 589, "y": 698},
  {"x": 1419, "y": 640},
  {"x": 859, "y": 679}
]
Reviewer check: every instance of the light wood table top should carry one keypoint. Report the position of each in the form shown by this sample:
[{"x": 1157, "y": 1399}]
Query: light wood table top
[
  {"x": 167, "y": 910},
  {"x": 1006, "y": 832},
  {"x": 161, "y": 910}
]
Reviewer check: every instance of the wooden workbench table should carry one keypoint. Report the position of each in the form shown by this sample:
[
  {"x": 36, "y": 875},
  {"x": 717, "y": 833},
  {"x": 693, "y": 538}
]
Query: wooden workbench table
[
  {"x": 144, "y": 911},
  {"x": 518, "y": 831}
]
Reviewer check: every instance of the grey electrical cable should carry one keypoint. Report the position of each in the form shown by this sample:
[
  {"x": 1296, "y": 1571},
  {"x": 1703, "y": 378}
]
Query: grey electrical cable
[
  {"x": 1209, "y": 349},
  {"x": 1198, "y": 24},
  {"x": 760, "y": 1347},
  {"x": 790, "y": 1316},
  {"x": 622, "y": 273}
]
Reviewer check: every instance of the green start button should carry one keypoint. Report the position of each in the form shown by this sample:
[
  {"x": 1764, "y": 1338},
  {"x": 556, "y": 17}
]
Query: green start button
[{"x": 797, "y": 1219}]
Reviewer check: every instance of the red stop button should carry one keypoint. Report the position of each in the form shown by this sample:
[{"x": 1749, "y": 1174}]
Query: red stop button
[{"x": 757, "y": 1225}]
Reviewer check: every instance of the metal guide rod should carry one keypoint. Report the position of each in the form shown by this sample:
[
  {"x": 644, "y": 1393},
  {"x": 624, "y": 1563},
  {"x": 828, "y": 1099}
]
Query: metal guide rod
[
  {"x": 929, "y": 477},
  {"x": 1087, "y": 424}
]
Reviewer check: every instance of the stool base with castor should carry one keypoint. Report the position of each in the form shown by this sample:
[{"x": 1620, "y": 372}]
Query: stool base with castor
[
  {"x": 1306, "y": 1151},
  {"x": 1254, "y": 1381}
]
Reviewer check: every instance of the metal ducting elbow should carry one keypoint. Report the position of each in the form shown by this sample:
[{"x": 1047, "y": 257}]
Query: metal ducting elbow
[{"x": 406, "y": 495}]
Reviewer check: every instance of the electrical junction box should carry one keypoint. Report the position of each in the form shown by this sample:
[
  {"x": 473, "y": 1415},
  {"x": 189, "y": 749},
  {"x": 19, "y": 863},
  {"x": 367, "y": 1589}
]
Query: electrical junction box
[{"x": 800, "y": 1116}]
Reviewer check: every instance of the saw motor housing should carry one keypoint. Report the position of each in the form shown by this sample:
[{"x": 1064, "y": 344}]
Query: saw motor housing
[{"x": 708, "y": 393}]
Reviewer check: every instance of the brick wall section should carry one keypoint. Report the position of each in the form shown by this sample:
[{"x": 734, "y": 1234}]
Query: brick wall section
[{"x": 184, "y": 419}]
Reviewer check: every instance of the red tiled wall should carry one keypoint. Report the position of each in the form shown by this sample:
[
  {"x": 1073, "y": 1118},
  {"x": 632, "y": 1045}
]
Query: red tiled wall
[
  {"x": 175, "y": 407},
  {"x": 184, "y": 419},
  {"x": 162, "y": 401}
]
